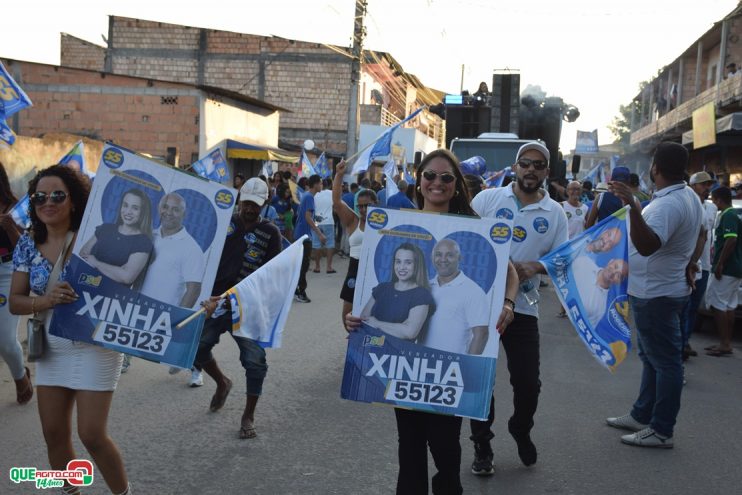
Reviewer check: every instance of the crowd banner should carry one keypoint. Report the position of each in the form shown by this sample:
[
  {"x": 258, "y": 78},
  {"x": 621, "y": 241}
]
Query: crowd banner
[
  {"x": 212, "y": 167},
  {"x": 146, "y": 254},
  {"x": 587, "y": 142},
  {"x": 590, "y": 275},
  {"x": 430, "y": 289}
]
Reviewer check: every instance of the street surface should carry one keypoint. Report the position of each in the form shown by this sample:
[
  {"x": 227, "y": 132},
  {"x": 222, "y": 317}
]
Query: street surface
[{"x": 312, "y": 442}]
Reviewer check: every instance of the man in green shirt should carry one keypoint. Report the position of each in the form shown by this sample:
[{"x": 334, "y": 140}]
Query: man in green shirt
[{"x": 726, "y": 267}]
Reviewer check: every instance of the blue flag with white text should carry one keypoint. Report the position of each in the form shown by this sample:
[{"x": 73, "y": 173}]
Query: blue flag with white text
[
  {"x": 7, "y": 136},
  {"x": 590, "y": 275},
  {"x": 212, "y": 167}
]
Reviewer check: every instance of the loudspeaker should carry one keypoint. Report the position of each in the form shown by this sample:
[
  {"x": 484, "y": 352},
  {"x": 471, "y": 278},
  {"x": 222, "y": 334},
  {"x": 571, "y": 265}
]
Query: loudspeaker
[
  {"x": 576, "y": 165},
  {"x": 505, "y": 103},
  {"x": 464, "y": 121},
  {"x": 418, "y": 158}
]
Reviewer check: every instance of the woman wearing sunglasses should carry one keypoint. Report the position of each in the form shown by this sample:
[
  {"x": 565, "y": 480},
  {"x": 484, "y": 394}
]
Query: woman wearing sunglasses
[
  {"x": 10, "y": 348},
  {"x": 69, "y": 373},
  {"x": 121, "y": 250},
  {"x": 355, "y": 223},
  {"x": 441, "y": 189}
]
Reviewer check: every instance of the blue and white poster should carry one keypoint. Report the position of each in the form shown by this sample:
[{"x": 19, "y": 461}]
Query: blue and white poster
[
  {"x": 590, "y": 275},
  {"x": 430, "y": 289},
  {"x": 146, "y": 254}
]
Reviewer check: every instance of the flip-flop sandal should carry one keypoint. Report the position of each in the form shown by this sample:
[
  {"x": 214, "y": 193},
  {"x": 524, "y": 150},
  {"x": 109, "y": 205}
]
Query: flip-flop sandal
[
  {"x": 25, "y": 395},
  {"x": 217, "y": 402},
  {"x": 247, "y": 433},
  {"x": 315, "y": 271},
  {"x": 718, "y": 353},
  {"x": 711, "y": 348},
  {"x": 331, "y": 271}
]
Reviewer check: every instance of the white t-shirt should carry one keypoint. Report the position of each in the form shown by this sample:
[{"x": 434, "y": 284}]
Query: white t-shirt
[
  {"x": 538, "y": 228},
  {"x": 675, "y": 215},
  {"x": 178, "y": 259},
  {"x": 575, "y": 218},
  {"x": 594, "y": 297},
  {"x": 460, "y": 305},
  {"x": 323, "y": 207},
  {"x": 709, "y": 218}
]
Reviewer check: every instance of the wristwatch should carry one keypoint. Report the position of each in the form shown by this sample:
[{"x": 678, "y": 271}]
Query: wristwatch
[{"x": 511, "y": 302}]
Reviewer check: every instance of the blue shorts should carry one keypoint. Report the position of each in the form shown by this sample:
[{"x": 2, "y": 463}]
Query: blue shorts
[{"x": 329, "y": 231}]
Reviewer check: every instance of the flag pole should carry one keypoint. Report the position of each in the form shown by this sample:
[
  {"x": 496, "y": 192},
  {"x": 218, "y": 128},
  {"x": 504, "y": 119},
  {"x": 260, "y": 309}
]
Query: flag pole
[{"x": 196, "y": 314}]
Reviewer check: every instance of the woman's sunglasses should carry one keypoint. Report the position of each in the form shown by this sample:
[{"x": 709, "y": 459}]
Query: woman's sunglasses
[
  {"x": 40, "y": 198},
  {"x": 445, "y": 177}
]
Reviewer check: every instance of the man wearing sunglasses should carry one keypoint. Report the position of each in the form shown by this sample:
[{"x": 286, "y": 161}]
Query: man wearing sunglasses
[{"x": 539, "y": 226}]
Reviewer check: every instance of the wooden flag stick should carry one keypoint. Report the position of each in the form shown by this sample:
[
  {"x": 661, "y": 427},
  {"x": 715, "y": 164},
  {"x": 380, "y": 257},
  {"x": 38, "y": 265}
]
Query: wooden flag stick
[{"x": 195, "y": 315}]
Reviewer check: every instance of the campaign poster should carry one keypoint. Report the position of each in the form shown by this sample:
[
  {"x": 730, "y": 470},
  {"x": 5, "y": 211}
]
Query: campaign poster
[
  {"x": 590, "y": 275},
  {"x": 146, "y": 254},
  {"x": 430, "y": 289}
]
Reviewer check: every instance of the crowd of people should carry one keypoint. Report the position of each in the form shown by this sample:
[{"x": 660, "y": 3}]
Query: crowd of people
[{"x": 672, "y": 232}]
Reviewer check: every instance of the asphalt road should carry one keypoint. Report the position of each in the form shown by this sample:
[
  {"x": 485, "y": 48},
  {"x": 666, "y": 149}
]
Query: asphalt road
[{"x": 312, "y": 442}]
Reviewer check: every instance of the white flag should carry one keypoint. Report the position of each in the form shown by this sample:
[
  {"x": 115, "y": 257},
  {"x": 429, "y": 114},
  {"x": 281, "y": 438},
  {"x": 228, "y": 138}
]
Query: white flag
[{"x": 262, "y": 300}]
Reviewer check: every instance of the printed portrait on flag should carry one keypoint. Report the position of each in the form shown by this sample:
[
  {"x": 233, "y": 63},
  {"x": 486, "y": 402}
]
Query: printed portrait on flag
[
  {"x": 146, "y": 254},
  {"x": 430, "y": 290},
  {"x": 590, "y": 275}
]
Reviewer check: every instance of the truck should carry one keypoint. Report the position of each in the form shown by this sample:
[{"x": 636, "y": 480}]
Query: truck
[{"x": 497, "y": 148}]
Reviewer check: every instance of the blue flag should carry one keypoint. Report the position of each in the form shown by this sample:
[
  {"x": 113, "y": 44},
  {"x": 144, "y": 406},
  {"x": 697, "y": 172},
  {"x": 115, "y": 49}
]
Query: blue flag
[
  {"x": 212, "y": 167},
  {"x": 267, "y": 170},
  {"x": 382, "y": 146},
  {"x": 307, "y": 169},
  {"x": 590, "y": 275},
  {"x": 496, "y": 179},
  {"x": 20, "y": 212},
  {"x": 7, "y": 136},
  {"x": 322, "y": 167},
  {"x": 76, "y": 158},
  {"x": 408, "y": 177},
  {"x": 12, "y": 97},
  {"x": 473, "y": 166}
]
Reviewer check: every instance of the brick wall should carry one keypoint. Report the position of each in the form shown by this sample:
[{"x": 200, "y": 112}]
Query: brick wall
[
  {"x": 307, "y": 78},
  {"x": 135, "y": 113},
  {"x": 82, "y": 54}
]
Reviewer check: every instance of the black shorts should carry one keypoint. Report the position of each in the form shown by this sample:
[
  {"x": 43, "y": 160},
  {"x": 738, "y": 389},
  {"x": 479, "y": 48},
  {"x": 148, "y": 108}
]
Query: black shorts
[{"x": 349, "y": 285}]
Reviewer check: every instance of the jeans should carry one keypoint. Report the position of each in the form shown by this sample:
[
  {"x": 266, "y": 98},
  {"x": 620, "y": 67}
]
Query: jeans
[
  {"x": 417, "y": 430},
  {"x": 660, "y": 345},
  {"x": 690, "y": 311},
  {"x": 521, "y": 343},
  {"x": 305, "y": 265},
  {"x": 252, "y": 356}
]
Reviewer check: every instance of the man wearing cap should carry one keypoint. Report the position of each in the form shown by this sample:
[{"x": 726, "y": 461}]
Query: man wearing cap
[
  {"x": 251, "y": 242},
  {"x": 539, "y": 226},
  {"x": 666, "y": 238},
  {"x": 701, "y": 183},
  {"x": 607, "y": 203}
]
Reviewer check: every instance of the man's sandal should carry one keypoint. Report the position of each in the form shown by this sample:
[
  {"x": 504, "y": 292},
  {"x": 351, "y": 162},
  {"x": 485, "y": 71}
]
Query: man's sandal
[
  {"x": 217, "y": 401},
  {"x": 247, "y": 433}
]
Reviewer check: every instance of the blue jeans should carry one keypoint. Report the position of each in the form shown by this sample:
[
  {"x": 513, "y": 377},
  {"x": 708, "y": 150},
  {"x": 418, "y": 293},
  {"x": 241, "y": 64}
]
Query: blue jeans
[
  {"x": 252, "y": 356},
  {"x": 691, "y": 308},
  {"x": 660, "y": 346}
]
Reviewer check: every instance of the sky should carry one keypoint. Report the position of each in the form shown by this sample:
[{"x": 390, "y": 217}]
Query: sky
[{"x": 591, "y": 53}]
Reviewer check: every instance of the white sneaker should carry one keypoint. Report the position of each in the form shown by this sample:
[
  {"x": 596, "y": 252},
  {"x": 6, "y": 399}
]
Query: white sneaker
[
  {"x": 197, "y": 378},
  {"x": 626, "y": 422},
  {"x": 173, "y": 370},
  {"x": 648, "y": 438}
]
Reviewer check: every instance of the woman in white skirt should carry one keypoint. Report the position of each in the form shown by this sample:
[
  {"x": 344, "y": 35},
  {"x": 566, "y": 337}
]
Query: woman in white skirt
[
  {"x": 70, "y": 372},
  {"x": 10, "y": 348}
]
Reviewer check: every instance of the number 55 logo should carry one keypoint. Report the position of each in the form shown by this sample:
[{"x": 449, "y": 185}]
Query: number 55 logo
[{"x": 86, "y": 467}]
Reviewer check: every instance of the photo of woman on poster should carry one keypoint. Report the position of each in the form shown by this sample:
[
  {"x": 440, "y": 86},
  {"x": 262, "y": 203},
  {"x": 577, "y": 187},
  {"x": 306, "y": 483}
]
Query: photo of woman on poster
[
  {"x": 402, "y": 306},
  {"x": 122, "y": 250}
]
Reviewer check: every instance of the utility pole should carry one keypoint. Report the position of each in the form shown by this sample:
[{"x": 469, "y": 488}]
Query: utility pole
[{"x": 359, "y": 33}]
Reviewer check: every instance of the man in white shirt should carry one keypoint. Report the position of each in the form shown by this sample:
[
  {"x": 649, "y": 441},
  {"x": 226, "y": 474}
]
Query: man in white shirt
[
  {"x": 593, "y": 282},
  {"x": 539, "y": 226},
  {"x": 701, "y": 183},
  {"x": 461, "y": 317},
  {"x": 326, "y": 223},
  {"x": 174, "y": 275},
  {"x": 665, "y": 239}
]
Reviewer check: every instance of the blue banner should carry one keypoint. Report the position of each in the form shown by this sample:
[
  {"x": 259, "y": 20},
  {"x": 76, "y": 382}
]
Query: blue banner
[
  {"x": 383, "y": 368},
  {"x": 12, "y": 97},
  {"x": 587, "y": 142},
  {"x": 430, "y": 289},
  {"x": 147, "y": 252},
  {"x": 590, "y": 275},
  {"x": 7, "y": 136}
]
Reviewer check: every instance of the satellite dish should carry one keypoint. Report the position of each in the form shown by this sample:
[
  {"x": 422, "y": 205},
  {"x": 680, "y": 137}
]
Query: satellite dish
[{"x": 309, "y": 145}]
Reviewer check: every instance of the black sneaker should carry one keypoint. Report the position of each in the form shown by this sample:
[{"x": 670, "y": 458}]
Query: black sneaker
[
  {"x": 526, "y": 449},
  {"x": 482, "y": 465},
  {"x": 302, "y": 297}
]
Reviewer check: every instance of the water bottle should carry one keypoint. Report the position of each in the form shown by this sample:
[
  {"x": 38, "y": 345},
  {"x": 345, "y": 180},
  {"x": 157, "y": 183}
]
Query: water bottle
[{"x": 529, "y": 292}]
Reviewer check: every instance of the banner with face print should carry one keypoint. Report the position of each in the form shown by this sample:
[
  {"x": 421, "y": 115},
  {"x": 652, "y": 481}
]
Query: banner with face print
[
  {"x": 430, "y": 289},
  {"x": 146, "y": 254}
]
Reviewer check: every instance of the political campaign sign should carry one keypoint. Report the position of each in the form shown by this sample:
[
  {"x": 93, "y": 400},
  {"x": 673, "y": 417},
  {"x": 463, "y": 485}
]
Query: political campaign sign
[
  {"x": 430, "y": 289},
  {"x": 146, "y": 254},
  {"x": 590, "y": 275}
]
